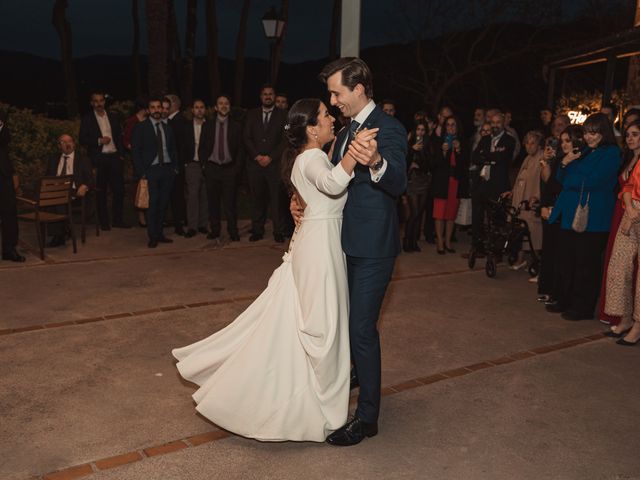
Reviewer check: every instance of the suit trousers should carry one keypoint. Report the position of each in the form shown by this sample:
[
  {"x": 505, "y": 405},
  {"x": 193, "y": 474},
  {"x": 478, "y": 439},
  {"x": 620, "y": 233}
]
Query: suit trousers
[
  {"x": 580, "y": 269},
  {"x": 222, "y": 193},
  {"x": 110, "y": 176},
  {"x": 368, "y": 280},
  {"x": 8, "y": 215},
  {"x": 196, "y": 193},
  {"x": 160, "y": 179},
  {"x": 548, "y": 282},
  {"x": 265, "y": 190},
  {"x": 178, "y": 203}
]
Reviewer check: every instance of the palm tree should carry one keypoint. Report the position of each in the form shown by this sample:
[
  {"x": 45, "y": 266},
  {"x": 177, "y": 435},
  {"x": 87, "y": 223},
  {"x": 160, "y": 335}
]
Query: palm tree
[
  {"x": 63, "y": 27},
  {"x": 189, "y": 53},
  {"x": 633, "y": 79},
  {"x": 240, "y": 46},
  {"x": 277, "y": 48},
  {"x": 157, "y": 13},
  {"x": 212, "y": 49},
  {"x": 174, "y": 51},
  {"x": 135, "y": 48}
]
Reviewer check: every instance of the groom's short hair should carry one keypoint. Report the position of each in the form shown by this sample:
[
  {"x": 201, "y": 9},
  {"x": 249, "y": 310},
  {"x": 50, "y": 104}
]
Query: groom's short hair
[{"x": 354, "y": 72}]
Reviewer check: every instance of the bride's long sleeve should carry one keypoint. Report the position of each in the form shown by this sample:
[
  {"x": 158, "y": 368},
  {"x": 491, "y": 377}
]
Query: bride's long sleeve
[{"x": 327, "y": 178}]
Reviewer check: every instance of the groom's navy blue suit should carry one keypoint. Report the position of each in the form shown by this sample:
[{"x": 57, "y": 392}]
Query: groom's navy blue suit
[{"x": 371, "y": 241}]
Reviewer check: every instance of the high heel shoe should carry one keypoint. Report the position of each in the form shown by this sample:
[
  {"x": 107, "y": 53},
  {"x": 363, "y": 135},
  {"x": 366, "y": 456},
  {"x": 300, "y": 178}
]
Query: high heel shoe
[
  {"x": 440, "y": 252},
  {"x": 624, "y": 343},
  {"x": 450, "y": 250},
  {"x": 612, "y": 334}
]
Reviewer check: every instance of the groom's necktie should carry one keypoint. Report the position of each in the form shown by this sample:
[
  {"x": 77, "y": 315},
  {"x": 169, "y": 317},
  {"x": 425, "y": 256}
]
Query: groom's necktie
[{"x": 353, "y": 127}]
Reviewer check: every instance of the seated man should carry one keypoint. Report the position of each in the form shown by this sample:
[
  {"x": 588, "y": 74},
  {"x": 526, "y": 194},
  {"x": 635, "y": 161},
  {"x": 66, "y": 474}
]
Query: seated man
[{"x": 69, "y": 162}]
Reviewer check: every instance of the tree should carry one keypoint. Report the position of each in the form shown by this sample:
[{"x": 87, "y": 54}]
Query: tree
[
  {"x": 157, "y": 13},
  {"x": 458, "y": 55},
  {"x": 277, "y": 48},
  {"x": 335, "y": 32},
  {"x": 63, "y": 27},
  {"x": 175, "y": 50},
  {"x": 135, "y": 48},
  {"x": 240, "y": 46},
  {"x": 212, "y": 49},
  {"x": 189, "y": 53}
]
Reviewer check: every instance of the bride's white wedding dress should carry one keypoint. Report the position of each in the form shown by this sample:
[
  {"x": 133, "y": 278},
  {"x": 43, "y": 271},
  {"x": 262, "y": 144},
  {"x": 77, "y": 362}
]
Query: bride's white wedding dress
[{"x": 280, "y": 371}]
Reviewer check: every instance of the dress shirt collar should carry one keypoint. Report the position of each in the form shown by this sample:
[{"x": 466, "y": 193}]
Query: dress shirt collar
[
  {"x": 222, "y": 119},
  {"x": 365, "y": 112}
]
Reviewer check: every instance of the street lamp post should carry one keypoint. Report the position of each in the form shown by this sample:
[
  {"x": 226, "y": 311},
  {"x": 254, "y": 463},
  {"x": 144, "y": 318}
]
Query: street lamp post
[{"x": 273, "y": 25}]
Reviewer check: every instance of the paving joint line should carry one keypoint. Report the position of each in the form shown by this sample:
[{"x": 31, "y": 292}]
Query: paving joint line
[
  {"x": 188, "y": 306},
  {"x": 193, "y": 441}
]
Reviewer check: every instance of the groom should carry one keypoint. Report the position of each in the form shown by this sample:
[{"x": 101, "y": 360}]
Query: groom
[{"x": 370, "y": 237}]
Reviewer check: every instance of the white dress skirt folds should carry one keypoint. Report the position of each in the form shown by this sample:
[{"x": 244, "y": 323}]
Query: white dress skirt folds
[{"x": 281, "y": 370}]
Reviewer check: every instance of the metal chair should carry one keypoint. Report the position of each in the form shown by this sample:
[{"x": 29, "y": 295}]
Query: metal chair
[{"x": 52, "y": 192}]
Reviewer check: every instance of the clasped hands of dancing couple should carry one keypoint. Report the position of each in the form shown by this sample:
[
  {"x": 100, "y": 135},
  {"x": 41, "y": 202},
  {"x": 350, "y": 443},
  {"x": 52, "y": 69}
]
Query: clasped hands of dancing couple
[{"x": 282, "y": 370}]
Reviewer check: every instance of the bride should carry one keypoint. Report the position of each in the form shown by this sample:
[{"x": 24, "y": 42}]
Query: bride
[{"x": 281, "y": 370}]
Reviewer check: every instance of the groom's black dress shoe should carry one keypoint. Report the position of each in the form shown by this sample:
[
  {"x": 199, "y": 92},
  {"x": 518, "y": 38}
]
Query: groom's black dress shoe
[{"x": 352, "y": 433}]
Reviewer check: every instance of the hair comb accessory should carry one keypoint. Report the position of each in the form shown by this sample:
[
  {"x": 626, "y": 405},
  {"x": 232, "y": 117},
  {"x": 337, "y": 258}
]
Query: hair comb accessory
[{"x": 287, "y": 127}]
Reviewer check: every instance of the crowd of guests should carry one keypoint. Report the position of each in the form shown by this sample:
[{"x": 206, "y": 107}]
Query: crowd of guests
[{"x": 576, "y": 187}]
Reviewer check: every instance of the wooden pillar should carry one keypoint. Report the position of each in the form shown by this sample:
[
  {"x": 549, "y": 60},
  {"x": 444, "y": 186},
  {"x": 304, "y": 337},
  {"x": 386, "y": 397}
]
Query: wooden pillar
[
  {"x": 608, "y": 81},
  {"x": 350, "y": 29}
]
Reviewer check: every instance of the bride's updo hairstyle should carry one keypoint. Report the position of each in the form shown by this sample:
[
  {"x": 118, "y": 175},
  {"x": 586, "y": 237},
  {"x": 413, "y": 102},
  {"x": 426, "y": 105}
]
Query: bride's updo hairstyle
[{"x": 303, "y": 113}]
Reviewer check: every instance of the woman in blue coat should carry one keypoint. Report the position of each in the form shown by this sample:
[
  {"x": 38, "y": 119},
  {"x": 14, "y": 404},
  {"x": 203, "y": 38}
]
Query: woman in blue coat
[{"x": 588, "y": 177}]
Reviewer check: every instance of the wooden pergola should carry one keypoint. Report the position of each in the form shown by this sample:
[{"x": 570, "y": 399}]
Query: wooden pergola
[{"x": 609, "y": 49}]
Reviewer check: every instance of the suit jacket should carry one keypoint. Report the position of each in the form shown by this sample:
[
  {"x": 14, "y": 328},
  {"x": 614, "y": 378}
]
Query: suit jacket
[
  {"x": 499, "y": 160},
  {"x": 6, "y": 166},
  {"x": 596, "y": 174},
  {"x": 90, "y": 133},
  {"x": 177, "y": 124},
  {"x": 370, "y": 219},
  {"x": 259, "y": 140},
  {"x": 144, "y": 147},
  {"x": 234, "y": 140},
  {"x": 82, "y": 174}
]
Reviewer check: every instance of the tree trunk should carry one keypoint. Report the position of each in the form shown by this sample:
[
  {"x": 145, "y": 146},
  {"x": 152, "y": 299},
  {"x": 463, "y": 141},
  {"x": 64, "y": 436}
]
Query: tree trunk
[
  {"x": 189, "y": 52},
  {"x": 212, "y": 50},
  {"x": 335, "y": 29},
  {"x": 633, "y": 79},
  {"x": 240, "y": 46},
  {"x": 135, "y": 48},
  {"x": 277, "y": 48},
  {"x": 157, "y": 12},
  {"x": 63, "y": 27},
  {"x": 175, "y": 52}
]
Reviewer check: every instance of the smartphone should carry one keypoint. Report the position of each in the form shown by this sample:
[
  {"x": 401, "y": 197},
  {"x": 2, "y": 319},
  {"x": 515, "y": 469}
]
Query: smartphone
[{"x": 551, "y": 142}]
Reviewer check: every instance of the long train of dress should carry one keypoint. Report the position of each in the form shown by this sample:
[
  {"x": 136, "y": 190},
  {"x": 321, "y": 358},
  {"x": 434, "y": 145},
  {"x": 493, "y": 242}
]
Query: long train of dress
[{"x": 280, "y": 370}]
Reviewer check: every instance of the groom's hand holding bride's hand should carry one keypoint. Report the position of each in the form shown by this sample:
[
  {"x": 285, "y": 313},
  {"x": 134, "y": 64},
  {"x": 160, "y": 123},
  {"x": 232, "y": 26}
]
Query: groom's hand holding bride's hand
[{"x": 364, "y": 148}]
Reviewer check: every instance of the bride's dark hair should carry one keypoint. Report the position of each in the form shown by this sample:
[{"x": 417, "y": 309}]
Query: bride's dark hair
[{"x": 302, "y": 114}]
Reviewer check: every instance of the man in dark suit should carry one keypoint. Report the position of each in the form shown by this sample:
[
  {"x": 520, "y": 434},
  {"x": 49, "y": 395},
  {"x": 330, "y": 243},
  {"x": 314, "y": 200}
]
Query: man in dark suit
[
  {"x": 370, "y": 237},
  {"x": 171, "y": 114},
  {"x": 492, "y": 157},
  {"x": 8, "y": 207},
  {"x": 264, "y": 144},
  {"x": 192, "y": 161},
  {"x": 155, "y": 158},
  {"x": 69, "y": 162},
  {"x": 222, "y": 149},
  {"x": 101, "y": 135}
]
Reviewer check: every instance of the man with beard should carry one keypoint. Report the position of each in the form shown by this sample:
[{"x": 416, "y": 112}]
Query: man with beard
[
  {"x": 263, "y": 141},
  {"x": 492, "y": 158},
  {"x": 154, "y": 157}
]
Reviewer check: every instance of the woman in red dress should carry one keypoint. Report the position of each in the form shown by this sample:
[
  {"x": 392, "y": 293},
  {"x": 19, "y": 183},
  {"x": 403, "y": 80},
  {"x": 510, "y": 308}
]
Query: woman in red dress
[{"x": 450, "y": 170}]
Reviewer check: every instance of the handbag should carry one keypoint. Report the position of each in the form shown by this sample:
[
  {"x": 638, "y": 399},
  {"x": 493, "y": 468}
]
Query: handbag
[
  {"x": 463, "y": 217},
  {"x": 581, "y": 217},
  {"x": 142, "y": 194}
]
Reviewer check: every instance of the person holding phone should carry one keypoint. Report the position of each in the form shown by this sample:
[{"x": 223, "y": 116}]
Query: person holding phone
[
  {"x": 588, "y": 176},
  {"x": 418, "y": 183}
]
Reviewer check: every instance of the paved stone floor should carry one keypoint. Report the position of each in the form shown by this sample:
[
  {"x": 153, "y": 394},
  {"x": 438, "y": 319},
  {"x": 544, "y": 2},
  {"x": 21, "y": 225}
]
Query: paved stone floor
[{"x": 479, "y": 381}]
